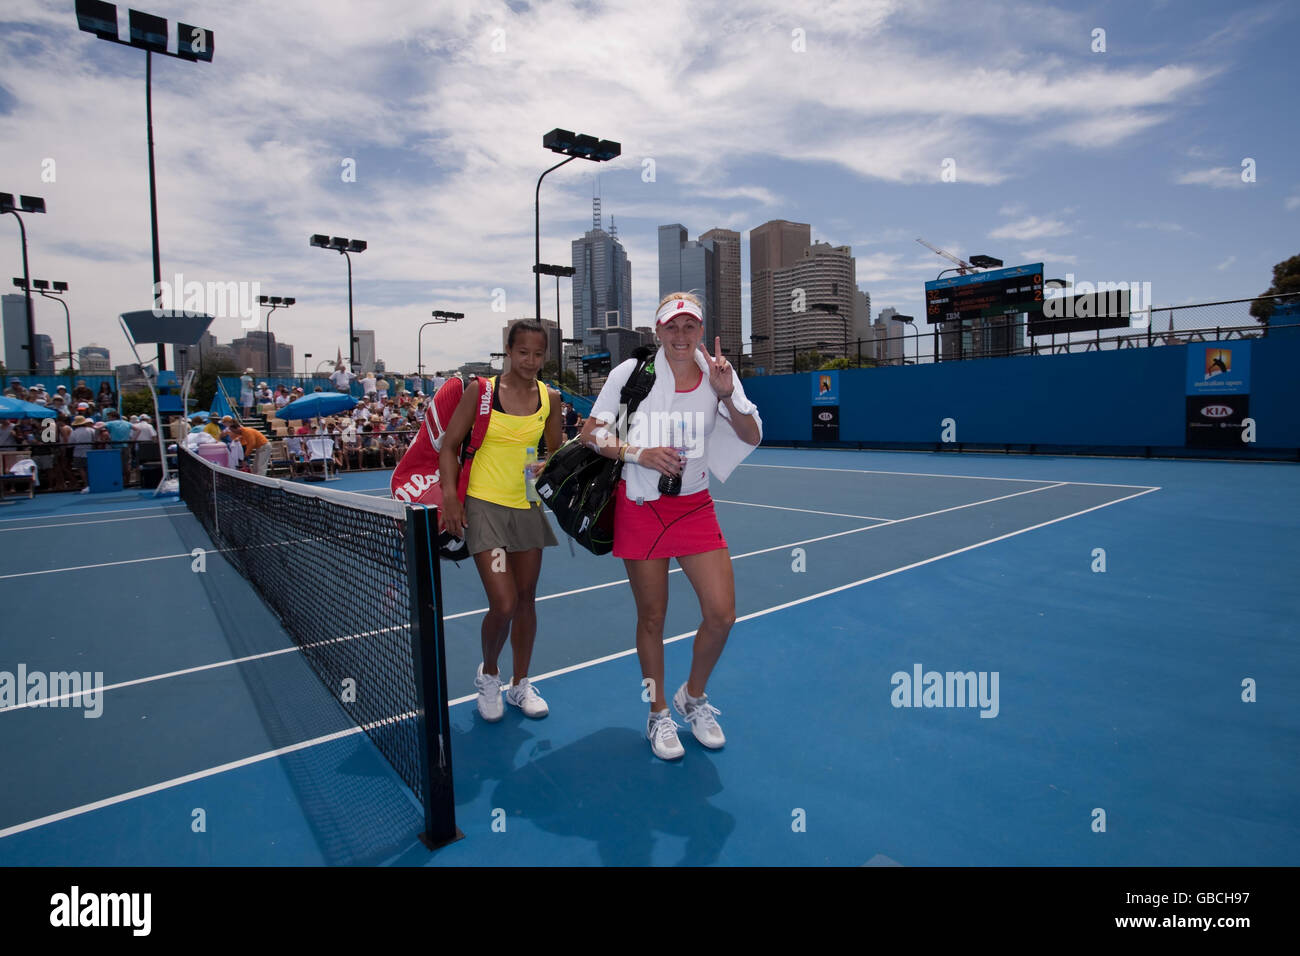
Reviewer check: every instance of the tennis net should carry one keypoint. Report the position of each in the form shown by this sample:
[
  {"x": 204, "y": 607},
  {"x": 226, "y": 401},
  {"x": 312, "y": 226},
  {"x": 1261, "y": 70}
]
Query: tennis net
[{"x": 355, "y": 582}]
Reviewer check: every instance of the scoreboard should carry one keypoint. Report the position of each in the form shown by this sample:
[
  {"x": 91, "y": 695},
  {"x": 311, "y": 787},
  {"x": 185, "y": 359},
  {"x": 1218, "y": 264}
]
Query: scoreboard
[{"x": 986, "y": 294}]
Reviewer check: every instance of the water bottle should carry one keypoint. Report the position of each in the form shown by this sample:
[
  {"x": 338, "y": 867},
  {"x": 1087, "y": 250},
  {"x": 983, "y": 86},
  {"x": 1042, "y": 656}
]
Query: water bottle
[
  {"x": 672, "y": 484},
  {"x": 530, "y": 483}
]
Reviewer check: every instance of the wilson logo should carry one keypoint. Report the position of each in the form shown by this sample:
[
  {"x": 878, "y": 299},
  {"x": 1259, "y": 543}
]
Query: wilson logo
[
  {"x": 1216, "y": 411},
  {"x": 415, "y": 487}
]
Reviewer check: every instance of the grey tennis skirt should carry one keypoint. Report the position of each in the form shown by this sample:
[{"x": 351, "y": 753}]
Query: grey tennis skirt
[{"x": 513, "y": 529}]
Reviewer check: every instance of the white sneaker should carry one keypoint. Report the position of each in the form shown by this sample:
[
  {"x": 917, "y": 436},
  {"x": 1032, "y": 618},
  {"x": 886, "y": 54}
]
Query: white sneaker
[
  {"x": 661, "y": 730},
  {"x": 700, "y": 717},
  {"x": 524, "y": 696},
  {"x": 490, "y": 707}
]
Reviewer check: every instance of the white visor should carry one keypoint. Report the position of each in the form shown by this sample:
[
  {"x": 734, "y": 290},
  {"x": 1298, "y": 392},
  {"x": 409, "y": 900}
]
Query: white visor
[{"x": 675, "y": 307}]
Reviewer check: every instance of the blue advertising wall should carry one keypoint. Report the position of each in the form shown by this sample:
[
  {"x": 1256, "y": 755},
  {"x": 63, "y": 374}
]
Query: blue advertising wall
[{"x": 1126, "y": 397}]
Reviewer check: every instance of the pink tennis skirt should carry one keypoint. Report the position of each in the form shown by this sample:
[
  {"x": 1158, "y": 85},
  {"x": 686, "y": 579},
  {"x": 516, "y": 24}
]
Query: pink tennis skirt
[{"x": 668, "y": 527}]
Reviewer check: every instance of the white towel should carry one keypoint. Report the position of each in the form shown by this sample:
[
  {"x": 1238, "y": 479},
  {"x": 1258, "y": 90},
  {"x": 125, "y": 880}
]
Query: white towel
[{"x": 723, "y": 449}]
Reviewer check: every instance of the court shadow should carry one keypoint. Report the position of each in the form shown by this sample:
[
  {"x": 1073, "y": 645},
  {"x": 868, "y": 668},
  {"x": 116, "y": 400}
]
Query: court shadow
[{"x": 609, "y": 788}]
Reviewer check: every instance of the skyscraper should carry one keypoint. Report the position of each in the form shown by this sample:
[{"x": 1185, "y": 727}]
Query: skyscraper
[
  {"x": 775, "y": 244},
  {"x": 726, "y": 261},
  {"x": 690, "y": 266},
  {"x": 94, "y": 359},
  {"x": 15, "y": 333},
  {"x": 44, "y": 355},
  {"x": 823, "y": 275},
  {"x": 602, "y": 279},
  {"x": 365, "y": 349}
]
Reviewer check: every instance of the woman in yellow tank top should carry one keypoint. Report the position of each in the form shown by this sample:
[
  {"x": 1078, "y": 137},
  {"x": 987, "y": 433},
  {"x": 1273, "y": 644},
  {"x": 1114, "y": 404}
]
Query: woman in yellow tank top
[{"x": 503, "y": 530}]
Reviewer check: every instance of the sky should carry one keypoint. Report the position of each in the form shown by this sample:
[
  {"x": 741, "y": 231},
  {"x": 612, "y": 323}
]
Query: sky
[{"x": 1125, "y": 141}]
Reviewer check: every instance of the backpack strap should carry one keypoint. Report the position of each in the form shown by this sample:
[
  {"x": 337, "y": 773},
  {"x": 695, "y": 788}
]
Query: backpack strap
[
  {"x": 641, "y": 380},
  {"x": 474, "y": 440}
]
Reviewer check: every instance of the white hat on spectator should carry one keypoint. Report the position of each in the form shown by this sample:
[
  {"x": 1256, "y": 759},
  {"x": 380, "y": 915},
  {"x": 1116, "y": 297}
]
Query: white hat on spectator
[
  {"x": 135, "y": 419},
  {"x": 145, "y": 418}
]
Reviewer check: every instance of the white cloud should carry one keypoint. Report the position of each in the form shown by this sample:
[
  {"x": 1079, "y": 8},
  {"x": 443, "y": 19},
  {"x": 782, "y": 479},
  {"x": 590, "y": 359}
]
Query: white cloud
[
  {"x": 1030, "y": 227},
  {"x": 1048, "y": 258},
  {"x": 1216, "y": 177},
  {"x": 1226, "y": 263},
  {"x": 1292, "y": 202},
  {"x": 1161, "y": 226},
  {"x": 446, "y": 133}
]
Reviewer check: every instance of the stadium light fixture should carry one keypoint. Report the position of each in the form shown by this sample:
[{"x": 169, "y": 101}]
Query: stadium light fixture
[
  {"x": 343, "y": 246},
  {"x": 147, "y": 32},
  {"x": 574, "y": 145},
  {"x": 275, "y": 302},
  {"x": 33, "y": 204}
]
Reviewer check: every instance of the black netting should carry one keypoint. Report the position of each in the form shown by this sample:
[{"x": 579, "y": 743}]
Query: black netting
[{"x": 335, "y": 575}]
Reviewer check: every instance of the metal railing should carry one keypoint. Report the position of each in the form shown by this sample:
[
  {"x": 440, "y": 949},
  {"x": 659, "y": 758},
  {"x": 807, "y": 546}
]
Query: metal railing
[{"x": 1154, "y": 327}]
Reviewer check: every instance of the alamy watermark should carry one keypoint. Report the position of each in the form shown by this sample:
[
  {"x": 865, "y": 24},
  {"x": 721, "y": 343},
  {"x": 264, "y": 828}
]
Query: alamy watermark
[
  {"x": 949, "y": 689},
  {"x": 683, "y": 430},
  {"x": 221, "y": 300},
  {"x": 24, "y": 688},
  {"x": 1084, "y": 300}
]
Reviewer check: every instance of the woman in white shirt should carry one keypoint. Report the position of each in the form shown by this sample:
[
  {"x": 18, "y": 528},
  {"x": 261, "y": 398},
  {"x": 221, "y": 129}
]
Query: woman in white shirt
[{"x": 696, "y": 419}]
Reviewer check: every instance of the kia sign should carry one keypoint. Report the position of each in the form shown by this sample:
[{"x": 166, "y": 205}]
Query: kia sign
[
  {"x": 1217, "y": 423},
  {"x": 825, "y": 423}
]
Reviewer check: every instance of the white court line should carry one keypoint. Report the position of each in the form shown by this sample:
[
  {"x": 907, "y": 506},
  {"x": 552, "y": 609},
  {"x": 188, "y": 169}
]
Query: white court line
[
  {"x": 106, "y": 564},
  {"x": 188, "y": 778},
  {"x": 881, "y": 522},
  {"x": 807, "y": 511},
  {"x": 82, "y": 514},
  {"x": 213, "y": 771},
  {"x": 545, "y": 597},
  {"x": 921, "y": 474},
  {"x": 78, "y": 524}
]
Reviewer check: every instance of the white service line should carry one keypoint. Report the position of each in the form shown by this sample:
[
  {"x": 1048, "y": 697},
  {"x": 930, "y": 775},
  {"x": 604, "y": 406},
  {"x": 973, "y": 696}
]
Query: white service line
[
  {"x": 79, "y": 524},
  {"x": 179, "y": 781},
  {"x": 806, "y": 511},
  {"x": 780, "y": 547},
  {"x": 106, "y": 564},
  {"x": 212, "y": 771},
  {"x": 921, "y": 474},
  {"x": 82, "y": 514}
]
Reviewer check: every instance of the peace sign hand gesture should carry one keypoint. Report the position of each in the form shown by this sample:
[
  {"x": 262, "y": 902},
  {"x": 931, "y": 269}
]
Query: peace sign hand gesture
[{"x": 720, "y": 373}]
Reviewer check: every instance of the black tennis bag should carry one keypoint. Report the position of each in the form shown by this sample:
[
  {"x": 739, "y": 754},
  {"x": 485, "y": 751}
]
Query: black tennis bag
[{"x": 579, "y": 485}]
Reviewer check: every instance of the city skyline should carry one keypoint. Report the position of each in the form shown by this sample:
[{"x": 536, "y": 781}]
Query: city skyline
[{"x": 1146, "y": 153}]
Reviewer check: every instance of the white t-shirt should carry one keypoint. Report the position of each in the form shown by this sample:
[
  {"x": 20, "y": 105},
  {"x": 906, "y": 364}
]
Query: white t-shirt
[
  {"x": 145, "y": 432},
  {"x": 342, "y": 379},
  {"x": 688, "y": 425},
  {"x": 368, "y": 384}
]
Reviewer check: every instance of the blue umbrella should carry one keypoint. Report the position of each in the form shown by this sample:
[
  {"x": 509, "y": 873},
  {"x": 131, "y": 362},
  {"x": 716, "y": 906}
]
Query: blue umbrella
[
  {"x": 317, "y": 404},
  {"x": 16, "y": 408}
]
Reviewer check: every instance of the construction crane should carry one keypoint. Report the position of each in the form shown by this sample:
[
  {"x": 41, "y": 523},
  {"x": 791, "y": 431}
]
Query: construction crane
[{"x": 962, "y": 265}]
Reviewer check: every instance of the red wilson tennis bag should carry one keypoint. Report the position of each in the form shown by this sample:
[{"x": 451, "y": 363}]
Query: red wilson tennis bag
[{"x": 415, "y": 479}]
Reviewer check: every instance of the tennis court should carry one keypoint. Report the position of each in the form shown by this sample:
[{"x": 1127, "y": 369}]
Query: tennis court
[{"x": 1116, "y": 690}]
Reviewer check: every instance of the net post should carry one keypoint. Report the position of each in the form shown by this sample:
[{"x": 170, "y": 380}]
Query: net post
[{"x": 427, "y": 649}]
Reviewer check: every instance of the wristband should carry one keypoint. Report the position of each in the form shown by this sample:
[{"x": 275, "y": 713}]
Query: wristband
[
  {"x": 634, "y": 458},
  {"x": 743, "y": 406}
]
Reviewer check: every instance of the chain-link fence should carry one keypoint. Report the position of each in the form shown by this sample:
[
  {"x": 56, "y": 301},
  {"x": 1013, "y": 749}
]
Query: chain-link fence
[{"x": 919, "y": 344}]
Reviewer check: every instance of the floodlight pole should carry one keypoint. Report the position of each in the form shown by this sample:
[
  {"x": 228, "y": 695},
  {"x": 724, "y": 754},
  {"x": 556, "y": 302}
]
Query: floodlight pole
[
  {"x": 352, "y": 338},
  {"x": 537, "y": 234},
  {"x": 153, "y": 199},
  {"x": 68, "y": 318},
  {"x": 27, "y": 291}
]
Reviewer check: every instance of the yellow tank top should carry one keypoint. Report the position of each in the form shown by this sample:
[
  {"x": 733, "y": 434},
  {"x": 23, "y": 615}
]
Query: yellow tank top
[{"x": 497, "y": 474}]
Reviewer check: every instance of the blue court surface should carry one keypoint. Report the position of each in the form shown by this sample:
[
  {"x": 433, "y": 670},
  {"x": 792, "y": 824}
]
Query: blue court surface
[{"x": 1129, "y": 628}]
